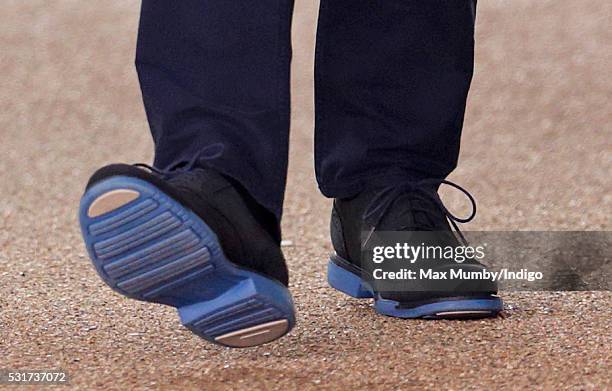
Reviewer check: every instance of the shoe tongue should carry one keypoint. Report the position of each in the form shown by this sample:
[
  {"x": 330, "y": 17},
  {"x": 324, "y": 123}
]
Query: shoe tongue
[
  {"x": 196, "y": 178},
  {"x": 214, "y": 182},
  {"x": 413, "y": 212}
]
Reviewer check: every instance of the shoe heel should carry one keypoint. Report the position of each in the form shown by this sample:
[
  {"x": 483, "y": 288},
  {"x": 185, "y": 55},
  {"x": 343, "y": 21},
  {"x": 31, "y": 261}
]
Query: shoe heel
[
  {"x": 346, "y": 282},
  {"x": 253, "y": 312}
]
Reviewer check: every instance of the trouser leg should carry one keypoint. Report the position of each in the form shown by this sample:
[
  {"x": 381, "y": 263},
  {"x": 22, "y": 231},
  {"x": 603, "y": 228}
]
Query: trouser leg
[
  {"x": 217, "y": 72},
  {"x": 391, "y": 79}
]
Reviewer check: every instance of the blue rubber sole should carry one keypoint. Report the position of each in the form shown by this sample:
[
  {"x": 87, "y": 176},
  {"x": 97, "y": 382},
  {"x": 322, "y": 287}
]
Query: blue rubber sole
[
  {"x": 152, "y": 248},
  {"x": 451, "y": 308}
]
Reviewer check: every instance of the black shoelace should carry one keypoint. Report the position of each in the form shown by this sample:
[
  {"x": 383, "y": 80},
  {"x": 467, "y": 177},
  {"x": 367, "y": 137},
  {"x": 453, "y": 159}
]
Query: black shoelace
[
  {"x": 382, "y": 201},
  {"x": 209, "y": 152}
]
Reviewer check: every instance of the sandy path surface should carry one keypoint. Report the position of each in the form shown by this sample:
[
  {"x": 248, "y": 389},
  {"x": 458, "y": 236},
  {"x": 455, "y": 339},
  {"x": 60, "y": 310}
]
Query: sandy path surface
[{"x": 536, "y": 154}]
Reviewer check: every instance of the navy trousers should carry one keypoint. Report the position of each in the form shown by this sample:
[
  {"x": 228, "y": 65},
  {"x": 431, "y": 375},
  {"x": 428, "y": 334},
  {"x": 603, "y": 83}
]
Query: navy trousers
[{"x": 391, "y": 81}]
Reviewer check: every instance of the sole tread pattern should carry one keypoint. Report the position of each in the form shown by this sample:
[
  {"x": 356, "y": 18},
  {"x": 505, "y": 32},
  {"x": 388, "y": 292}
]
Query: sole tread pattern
[
  {"x": 166, "y": 273},
  {"x": 150, "y": 264},
  {"x": 137, "y": 236},
  {"x": 121, "y": 219},
  {"x": 242, "y": 314},
  {"x": 176, "y": 246}
]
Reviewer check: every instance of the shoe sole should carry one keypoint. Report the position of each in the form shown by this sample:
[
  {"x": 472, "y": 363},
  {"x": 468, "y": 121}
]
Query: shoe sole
[
  {"x": 351, "y": 284},
  {"x": 147, "y": 246}
]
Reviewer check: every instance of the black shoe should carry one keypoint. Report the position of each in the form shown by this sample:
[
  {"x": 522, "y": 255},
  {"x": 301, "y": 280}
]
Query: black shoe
[
  {"x": 406, "y": 207},
  {"x": 188, "y": 240}
]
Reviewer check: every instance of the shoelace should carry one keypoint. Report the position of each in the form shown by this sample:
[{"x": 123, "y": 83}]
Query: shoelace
[
  {"x": 209, "y": 152},
  {"x": 382, "y": 201}
]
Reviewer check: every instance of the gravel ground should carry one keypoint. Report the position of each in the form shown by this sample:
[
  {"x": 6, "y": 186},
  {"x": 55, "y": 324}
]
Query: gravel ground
[{"x": 536, "y": 153}]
